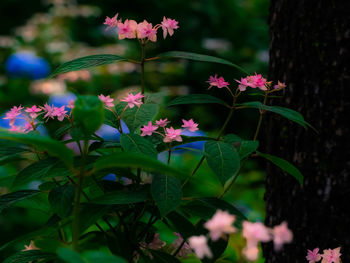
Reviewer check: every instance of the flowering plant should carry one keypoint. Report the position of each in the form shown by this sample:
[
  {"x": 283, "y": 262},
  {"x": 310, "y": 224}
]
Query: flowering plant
[{"x": 119, "y": 217}]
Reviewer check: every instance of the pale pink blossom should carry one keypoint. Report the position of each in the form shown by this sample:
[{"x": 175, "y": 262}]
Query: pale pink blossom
[
  {"x": 30, "y": 247},
  {"x": 15, "y": 128},
  {"x": 13, "y": 114},
  {"x": 162, "y": 123},
  {"x": 255, "y": 232},
  {"x": 168, "y": 26},
  {"x": 190, "y": 125},
  {"x": 111, "y": 22},
  {"x": 107, "y": 100},
  {"x": 148, "y": 129},
  {"x": 60, "y": 113},
  {"x": 243, "y": 84},
  {"x": 200, "y": 246},
  {"x": 220, "y": 223},
  {"x": 127, "y": 29},
  {"x": 133, "y": 100},
  {"x": 146, "y": 30},
  {"x": 281, "y": 235},
  {"x": 33, "y": 111},
  {"x": 251, "y": 253},
  {"x": 313, "y": 255},
  {"x": 28, "y": 127},
  {"x": 185, "y": 250},
  {"x": 71, "y": 104},
  {"x": 172, "y": 134},
  {"x": 331, "y": 255},
  {"x": 215, "y": 81},
  {"x": 49, "y": 110},
  {"x": 253, "y": 81},
  {"x": 280, "y": 85}
]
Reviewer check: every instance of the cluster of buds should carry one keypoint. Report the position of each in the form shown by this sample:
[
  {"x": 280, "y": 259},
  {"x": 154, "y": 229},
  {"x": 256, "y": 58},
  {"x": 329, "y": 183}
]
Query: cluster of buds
[
  {"x": 222, "y": 223},
  {"x": 169, "y": 134},
  {"x": 328, "y": 256},
  {"x": 143, "y": 31}
]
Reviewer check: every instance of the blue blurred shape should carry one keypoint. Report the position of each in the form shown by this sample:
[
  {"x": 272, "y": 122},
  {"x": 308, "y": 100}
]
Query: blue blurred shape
[
  {"x": 20, "y": 122},
  {"x": 59, "y": 100},
  {"x": 110, "y": 133},
  {"x": 27, "y": 65},
  {"x": 110, "y": 177},
  {"x": 194, "y": 145}
]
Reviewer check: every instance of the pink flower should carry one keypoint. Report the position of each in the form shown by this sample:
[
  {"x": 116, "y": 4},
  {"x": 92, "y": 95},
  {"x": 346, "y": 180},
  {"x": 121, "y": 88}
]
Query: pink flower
[
  {"x": 172, "y": 134},
  {"x": 28, "y": 127},
  {"x": 133, "y": 100},
  {"x": 127, "y": 29},
  {"x": 60, "y": 113},
  {"x": 107, "y": 100},
  {"x": 280, "y": 85},
  {"x": 71, "y": 104},
  {"x": 13, "y": 114},
  {"x": 281, "y": 235},
  {"x": 162, "y": 123},
  {"x": 50, "y": 111},
  {"x": 331, "y": 255},
  {"x": 30, "y": 247},
  {"x": 33, "y": 111},
  {"x": 253, "y": 81},
  {"x": 200, "y": 247},
  {"x": 185, "y": 250},
  {"x": 16, "y": 129},
  {"x": 148, "y": 129},
  {"x": 255, "y": 232},
  {"x": 168, "y": 26},
  {"x": 243, "y": 84},
  {"x": 145, "y": 30},
  {"x": 190, "y": 125},
  {"x": 251, "y": 253},
  {"x": 111, "y": 22},
  {"x": 313, "y": 256},
  {"x": 217, "y": 82},
  {"x": 219, "y": 224}
]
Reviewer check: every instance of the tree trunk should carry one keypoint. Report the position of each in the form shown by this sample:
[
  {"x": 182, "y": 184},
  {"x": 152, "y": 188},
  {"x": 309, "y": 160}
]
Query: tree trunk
[{"x": 309, "y": 50}]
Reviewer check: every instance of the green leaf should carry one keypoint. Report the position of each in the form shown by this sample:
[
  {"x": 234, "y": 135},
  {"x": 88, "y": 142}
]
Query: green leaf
[
  {"x": 89, "y": 113},
  {"x": 137, "y": 116},
  {"x": 136, "y": 144},
  {"x": 98, "y": 256},
  {"x": 232, "y": 138},
  {"x": 42, "y": 143},
  {"x": 87, "y": 62},
  {"x": 9, "y": 199},
  {"x": 196, "y": 99},
  {"x": 285, "y": 166},
  {"x": 91, "y": 213},
  {"x": 132, "y": 160},
  {"x": 285, "y": 112},
  {"x": 162, "y": 257},
  {"x": 61, "y": 199},
  {"x": 199, "y": 57},
  {"x": 166, "y": 192},
  {"x": 30, "y": 256},
  {"x": 43, "y": 169},
  {"x": 69, "y": 256},
  {"x": 185, "y": 139},
  {"x": 182, "y": 224},
  {"x": 247, "y": 147},
  {"x": 122, "y": 197},
  {"x": 223, "y": 159}
]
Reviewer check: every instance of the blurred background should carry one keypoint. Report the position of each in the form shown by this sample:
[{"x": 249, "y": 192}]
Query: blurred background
[{"x": 38, "y": 35}]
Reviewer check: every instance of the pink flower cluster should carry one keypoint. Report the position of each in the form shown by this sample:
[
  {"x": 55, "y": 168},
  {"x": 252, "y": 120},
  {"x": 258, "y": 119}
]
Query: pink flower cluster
[
  {"x": 131, "y": 99},
  {"x": 144, "y": 31},
  {"x": 328, "y": 256},
  {"x": 222, "y": 223},
  {"x": 30, "y": 115},
  {"x": 170, "y": 134}
]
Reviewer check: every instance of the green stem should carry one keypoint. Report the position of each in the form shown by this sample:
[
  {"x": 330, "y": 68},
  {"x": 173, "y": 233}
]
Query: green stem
[
  {"x": 143, "y": 57},
  {"x": 78, "y": 193},
  {"x": 260, "y": 119},
  {"x": 169, "y": 154}
]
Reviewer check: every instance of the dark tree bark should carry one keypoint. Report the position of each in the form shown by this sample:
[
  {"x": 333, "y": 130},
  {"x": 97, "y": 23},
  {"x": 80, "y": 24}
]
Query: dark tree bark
[{"x": 310, "y": 51}]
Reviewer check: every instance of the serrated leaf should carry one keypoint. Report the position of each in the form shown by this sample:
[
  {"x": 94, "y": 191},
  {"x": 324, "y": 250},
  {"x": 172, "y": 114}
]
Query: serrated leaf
[
  {"x": 30, "y": 256},
  {"x": 61, "y": 199},
  {"x": 223, "y": 159},
  {"x": 87, "y": 62},
  {"x": 285, "y": 166},
  {"x": 132, "y": 160},
  {"x": 137, "y": 116},
  {"x": 285, "y": 112},
  {"x": 196, "y": 99},
  {"x": 98, "y": 256},
  {"x": 122, "y": 197},
  {"x": 136, "y": 144},
  {"x": 166, "y": 192},
  {"x": 43, "y": 143},
  {"x": 9, "y": 199},
  {"x": 199, "y": 57},
  {"x": 162, "y": 257},
  {"x": 69, "y": 256}
]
